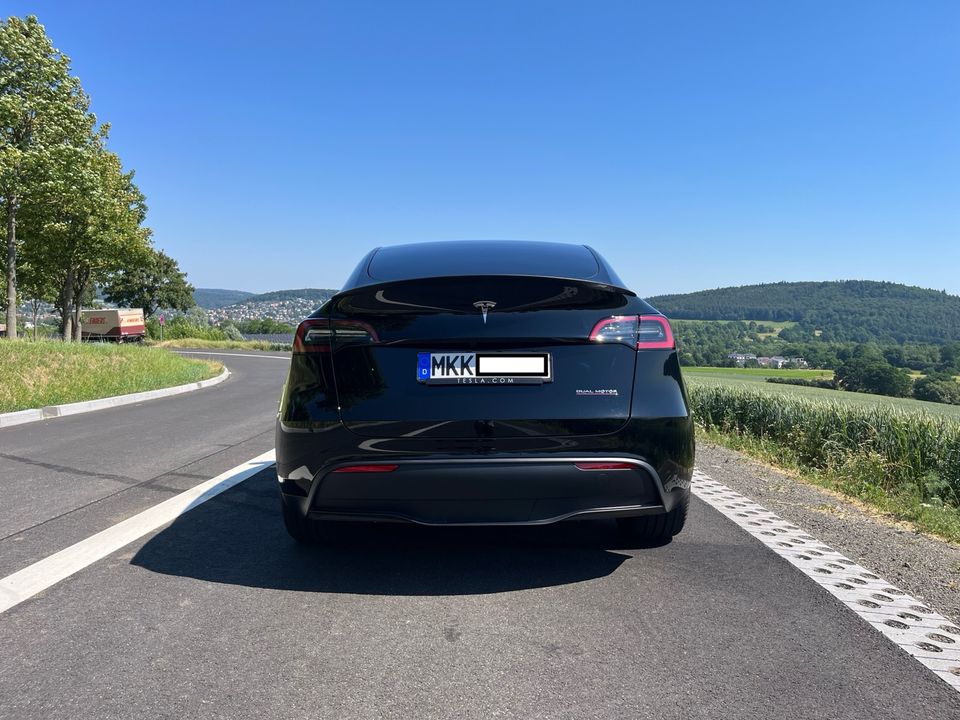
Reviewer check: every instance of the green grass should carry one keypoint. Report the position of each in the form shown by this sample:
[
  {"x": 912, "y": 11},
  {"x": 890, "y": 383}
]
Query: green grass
[
  {"x": 223, "y": 344},
  {"x": 757, "y": 374},
  {"x": 754, "y": 379},
  {"x": 901, "y": 461},
  {"x": 37, "y": 374}
]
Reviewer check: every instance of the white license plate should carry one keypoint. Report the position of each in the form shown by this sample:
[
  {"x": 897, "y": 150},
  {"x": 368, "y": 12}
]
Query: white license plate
[{"x": 469, "y": 368}]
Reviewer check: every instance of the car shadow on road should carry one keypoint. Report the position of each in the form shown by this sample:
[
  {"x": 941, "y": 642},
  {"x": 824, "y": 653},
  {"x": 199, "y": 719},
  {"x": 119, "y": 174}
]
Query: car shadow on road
[{"x": 238, "y": 538}]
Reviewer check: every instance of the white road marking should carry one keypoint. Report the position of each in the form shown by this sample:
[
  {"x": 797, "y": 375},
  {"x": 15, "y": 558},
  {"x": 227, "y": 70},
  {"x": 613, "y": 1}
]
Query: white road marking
[
  {"x": 231, "y": 354},
  {"x": 928, "y": 636},
  {"x": 26, "y": 583}
]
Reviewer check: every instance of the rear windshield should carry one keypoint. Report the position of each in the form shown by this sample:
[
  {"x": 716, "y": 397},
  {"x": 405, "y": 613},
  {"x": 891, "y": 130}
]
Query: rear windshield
[{"x": 446, "y": 259}]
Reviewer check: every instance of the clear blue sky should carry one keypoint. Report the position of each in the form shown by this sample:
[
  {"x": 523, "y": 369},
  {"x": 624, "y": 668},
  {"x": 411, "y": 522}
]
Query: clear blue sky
[{"x": 694, "y": 144}]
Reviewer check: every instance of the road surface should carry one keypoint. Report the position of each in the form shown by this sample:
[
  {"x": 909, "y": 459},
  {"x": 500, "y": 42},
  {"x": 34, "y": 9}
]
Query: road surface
[{"x": 221, "y": 615}]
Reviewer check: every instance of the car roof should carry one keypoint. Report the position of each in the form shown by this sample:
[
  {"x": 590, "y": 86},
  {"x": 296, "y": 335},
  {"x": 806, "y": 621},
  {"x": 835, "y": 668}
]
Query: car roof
[{"x": 482, "y": 257}]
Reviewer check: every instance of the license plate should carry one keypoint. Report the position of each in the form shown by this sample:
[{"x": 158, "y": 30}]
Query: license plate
[{"x": 468, "y": 368}]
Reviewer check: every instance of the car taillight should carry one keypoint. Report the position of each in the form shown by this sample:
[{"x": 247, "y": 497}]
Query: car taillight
[
  {"x": 645, "y": 332},
  {"x": 603, "y": 466},
  {"x": 313, "y": 336},
  {"x": 654, "y": 333},
  {"x": 366, "y": 469},
  {"x": 317, "y": 335}
]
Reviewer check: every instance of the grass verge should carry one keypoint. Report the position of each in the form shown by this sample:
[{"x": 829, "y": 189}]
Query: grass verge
[
  {"x": 943, "y": 521},
  {"x": 905, "y": 465},
  {"x": 37, "y": 374},
  {"x": 223, "y": 344}
]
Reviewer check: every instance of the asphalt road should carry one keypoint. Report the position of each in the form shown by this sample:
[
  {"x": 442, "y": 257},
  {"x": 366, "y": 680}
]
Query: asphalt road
[{"x": 220, "y": 614}]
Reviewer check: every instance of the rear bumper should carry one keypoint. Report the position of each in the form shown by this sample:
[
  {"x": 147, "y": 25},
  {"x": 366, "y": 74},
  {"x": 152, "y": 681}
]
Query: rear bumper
[
  {"x": 488, "y": 491},
  {"x": 513, "y": 481}
]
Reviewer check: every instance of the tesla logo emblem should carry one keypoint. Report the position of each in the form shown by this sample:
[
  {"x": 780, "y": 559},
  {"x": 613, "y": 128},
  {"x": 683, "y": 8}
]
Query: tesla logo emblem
[{"x": 484, "y": 306}]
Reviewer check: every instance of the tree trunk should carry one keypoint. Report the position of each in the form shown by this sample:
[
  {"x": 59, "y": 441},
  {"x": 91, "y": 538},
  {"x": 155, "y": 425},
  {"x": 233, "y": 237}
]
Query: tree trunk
[
  {"x": 82, "y": 280},
  {"x": 11, "y": 266},
  {"x": 66, "y": 307},
  {"x": 36, "y": 313}
]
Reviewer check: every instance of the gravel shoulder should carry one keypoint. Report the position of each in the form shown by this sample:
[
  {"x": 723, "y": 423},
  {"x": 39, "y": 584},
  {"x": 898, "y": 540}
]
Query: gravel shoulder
[{"x": 925, "y": 567}]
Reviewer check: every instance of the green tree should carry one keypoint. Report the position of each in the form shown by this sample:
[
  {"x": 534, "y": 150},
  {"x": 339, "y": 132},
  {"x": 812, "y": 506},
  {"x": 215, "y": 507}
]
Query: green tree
[
  {"x": 90, "y": 217},
  {"x": 872, "y": 374},
  {"x": 152, "y": 282},
  {"x": 938, "y": 387},
  {"x": 43, "y": 114}
]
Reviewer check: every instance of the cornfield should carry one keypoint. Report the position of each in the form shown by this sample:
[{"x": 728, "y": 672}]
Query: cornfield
[{"x": 894, "y": 450}]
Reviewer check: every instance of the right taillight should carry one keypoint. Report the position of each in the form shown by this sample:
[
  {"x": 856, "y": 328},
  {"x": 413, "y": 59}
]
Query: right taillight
[
  {"x": 654, "y": 333},
  {"x": 317, "y": 334},
  {"x": 645, "y": 332}
]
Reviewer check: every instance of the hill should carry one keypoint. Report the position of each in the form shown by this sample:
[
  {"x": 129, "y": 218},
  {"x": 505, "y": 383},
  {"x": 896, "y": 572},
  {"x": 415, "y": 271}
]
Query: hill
[
  {"x": 317, "y": 295},
  {"x": 836, "y": 311},
  {"x": 209, "y": 298},
  {"x": 284, "y": 306}
]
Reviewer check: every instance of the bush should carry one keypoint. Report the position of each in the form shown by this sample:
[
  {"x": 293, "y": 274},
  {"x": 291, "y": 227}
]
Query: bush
[
  {"x": 231, "y": 332},
  {"x": 183, "y": 327},
  {"x": 937, "y": 388},
  {"x": 826, "y": 383}
]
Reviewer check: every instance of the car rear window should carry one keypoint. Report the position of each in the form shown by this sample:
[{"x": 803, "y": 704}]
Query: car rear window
[{"x": 446, "y": 259}]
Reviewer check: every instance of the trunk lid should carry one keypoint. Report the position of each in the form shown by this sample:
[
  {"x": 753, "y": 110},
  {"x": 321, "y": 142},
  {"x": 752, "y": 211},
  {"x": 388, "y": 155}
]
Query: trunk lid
[{"x": 383, "y": 332}]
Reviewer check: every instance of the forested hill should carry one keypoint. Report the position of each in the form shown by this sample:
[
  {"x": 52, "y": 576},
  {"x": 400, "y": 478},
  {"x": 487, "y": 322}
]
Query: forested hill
[
  {"x": 848, "y": 310},
  {"x": 317, "y": 295},
  {"x": 209, "y": 298}
]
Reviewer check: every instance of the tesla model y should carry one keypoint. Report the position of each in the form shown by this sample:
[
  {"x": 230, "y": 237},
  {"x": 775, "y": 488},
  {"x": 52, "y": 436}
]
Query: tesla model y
[{"x": 485, "y": 383}]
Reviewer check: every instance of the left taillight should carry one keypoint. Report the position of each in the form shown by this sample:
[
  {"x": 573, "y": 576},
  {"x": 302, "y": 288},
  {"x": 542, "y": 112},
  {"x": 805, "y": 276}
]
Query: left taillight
[
  {"x": 313, "y": 335},
  {"x": 645, "y": 332},
  {"x": 318, "y": 334}
]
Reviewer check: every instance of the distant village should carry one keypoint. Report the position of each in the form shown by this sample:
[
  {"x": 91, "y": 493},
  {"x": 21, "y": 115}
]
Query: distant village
[
  {"x": 777, "y": 361},
  {"x": 290, "y": 312}
]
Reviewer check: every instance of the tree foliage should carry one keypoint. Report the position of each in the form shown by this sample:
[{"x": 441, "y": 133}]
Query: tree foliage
[
  {"x": 155, "y": 282},
  {"x": 44, "y": 118},
  {"x": 846, "y": 311},
  {"x": 873, "y": 374},
  {"x": 74, "y": 217}
]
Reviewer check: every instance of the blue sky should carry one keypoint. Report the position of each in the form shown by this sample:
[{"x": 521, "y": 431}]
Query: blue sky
[{"x": 694, "y": 144}]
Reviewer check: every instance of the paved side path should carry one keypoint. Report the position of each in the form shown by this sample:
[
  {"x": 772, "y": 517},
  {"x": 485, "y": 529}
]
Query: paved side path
[{"x": 64, "y": 479}]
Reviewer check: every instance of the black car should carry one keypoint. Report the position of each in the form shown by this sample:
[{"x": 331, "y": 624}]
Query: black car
[{"x": 485, "y": 383}]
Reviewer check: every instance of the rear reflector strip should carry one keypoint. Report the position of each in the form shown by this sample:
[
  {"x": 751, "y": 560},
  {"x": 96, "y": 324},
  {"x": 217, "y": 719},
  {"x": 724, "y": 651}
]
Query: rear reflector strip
[
  {"x": 604, "y": 466},
  {"x": 366, "y": 469}
]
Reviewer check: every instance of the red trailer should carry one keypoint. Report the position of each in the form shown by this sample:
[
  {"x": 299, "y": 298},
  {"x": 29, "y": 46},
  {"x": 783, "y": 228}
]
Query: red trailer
[{"x": 113, "y": 325}]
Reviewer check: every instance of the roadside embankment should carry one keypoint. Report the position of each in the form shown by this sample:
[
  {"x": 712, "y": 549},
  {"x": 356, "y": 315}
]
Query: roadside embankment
[
  {"x": 905, "y": 464},
  {"x": 40, "y": 374}
]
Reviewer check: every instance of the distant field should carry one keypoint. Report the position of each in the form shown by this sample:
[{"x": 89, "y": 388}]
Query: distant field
[
  {"x": 777, "y": 325},
  {"x": 755, "y": 379}
]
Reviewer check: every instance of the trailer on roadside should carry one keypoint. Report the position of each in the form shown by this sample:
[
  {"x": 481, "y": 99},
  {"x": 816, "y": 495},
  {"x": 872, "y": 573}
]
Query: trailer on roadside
[{"x": 113, "y": 325}]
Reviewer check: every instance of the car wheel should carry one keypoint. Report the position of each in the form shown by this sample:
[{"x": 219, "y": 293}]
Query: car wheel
[
  {"x": 304, "y": 530},
  {"x": 655, "y": 528}
]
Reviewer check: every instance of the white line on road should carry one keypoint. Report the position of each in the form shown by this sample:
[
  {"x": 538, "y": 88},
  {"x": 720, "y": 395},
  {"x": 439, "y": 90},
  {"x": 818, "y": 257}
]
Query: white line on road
[
  {"x": 26, "y": 583},
  {"x": 231, "y": 354},
  {"x": 929, "y": 637}
]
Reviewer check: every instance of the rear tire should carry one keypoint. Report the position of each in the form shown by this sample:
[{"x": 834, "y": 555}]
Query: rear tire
[
  {"x": 655, "y": 529},
  {"x": 302, "y": 529}
]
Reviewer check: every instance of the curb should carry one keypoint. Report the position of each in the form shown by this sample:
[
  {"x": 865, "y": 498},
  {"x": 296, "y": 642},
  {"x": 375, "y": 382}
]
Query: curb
[{"x": 53, "y": 411}]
